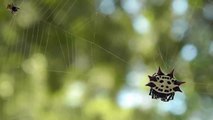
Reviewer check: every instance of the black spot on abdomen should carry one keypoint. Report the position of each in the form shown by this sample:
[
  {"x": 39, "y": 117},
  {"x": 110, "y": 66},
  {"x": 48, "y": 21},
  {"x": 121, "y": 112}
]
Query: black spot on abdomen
[
  {"x": 168, "y": 82},
  {"x": 160, "y": 89},
  {"x": 166, "y": 91}
]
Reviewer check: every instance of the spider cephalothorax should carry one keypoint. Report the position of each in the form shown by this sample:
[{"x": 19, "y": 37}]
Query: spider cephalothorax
[{"x": 163, "y": 86}]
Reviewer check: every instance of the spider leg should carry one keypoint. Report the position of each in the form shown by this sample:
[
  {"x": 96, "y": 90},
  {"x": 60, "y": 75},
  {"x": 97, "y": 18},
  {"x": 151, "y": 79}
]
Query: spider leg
[
  {"x": 171, "y": 96},
  {"x": 150, "y": 91},
  {"x": 164, "y": 98},
  {"x": 155, "y": 96}
]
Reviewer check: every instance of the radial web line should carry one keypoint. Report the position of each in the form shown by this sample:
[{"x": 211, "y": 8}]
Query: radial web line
[
  {"x": 41, "y": 39},
  {"x": 21, "y": 48},
  {"x": 56, "y": 8},
  {"x": 48, "y": 35},
  {"x": 32, "y": 38},
  {"x": 68, "y": 49},
  {"x": 11, "y": 24},
  {"x": 37, "y": 35},
  {"x": 62, "y": 18},
  {"x": 60, "y": 45},
  {"x": 116, "y": 56}
]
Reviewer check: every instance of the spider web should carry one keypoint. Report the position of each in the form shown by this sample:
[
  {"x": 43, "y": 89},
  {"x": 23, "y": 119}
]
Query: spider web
[
  {"x": 64, "y": 53},
  {"x": 36, "y": 38},
  {"x": 41, "y": 32},
  {"x": 47, "y": 49}
]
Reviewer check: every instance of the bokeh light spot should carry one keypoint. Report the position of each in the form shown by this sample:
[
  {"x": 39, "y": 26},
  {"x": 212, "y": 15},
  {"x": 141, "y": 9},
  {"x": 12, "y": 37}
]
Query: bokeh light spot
[
  {"x": 75, "y": 93},
  {"x": 189, "y": 52},
  {"x": 107, "y": 7},
  {"x": 211, "y": 48},
  {"x": 130, "y": 97},
  {"x": 131, "y": 6},
  {"x": 141, "y": 24},
  {"x": 176, "y": 107},
  {"x": 179, "y": 28},
  {"x": 134, "y": 77},
  {"x": 207, "y": 11},
  {"x": 179, "y": 7}
]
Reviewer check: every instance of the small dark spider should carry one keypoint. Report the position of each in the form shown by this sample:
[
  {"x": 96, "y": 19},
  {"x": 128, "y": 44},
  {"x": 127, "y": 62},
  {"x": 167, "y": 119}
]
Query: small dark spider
[{"x": 13, "y": 9}]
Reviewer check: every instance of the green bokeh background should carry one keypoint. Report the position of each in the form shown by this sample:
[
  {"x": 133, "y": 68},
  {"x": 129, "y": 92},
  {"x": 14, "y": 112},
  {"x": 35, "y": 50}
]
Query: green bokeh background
[{"x": 67, "y": 60}]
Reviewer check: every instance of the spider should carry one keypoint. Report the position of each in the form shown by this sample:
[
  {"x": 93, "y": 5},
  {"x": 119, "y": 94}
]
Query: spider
[
  {"x": 163, "y": 86},
  {"x": 12, "y": 8}
]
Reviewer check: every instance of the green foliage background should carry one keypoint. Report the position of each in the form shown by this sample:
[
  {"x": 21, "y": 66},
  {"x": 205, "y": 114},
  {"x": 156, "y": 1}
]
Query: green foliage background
[{"x": 65, "y": 60}]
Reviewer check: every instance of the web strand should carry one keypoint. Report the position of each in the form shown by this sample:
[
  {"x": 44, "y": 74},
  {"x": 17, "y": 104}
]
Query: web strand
[
  {"x": 11, "y": 24},
  {"x": 41, "y": 32}
]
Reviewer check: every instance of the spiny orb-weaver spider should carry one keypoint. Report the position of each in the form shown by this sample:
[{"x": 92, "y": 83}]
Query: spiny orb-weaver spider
[{"x": 163, "y": 86}]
